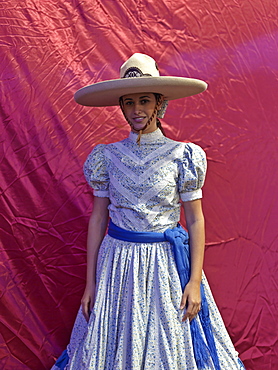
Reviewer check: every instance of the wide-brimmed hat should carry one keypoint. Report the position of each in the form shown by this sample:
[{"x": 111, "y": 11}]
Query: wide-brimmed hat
[{"x": 137, "y": 75}]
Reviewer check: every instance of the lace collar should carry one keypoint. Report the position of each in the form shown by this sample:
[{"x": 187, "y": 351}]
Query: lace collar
[{"x": 147, "y": 138}]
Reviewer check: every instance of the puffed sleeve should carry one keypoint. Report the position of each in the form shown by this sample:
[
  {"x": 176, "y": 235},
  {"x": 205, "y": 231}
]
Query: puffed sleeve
[
  {"x": 192, "y": 172},
  {"x": 96, "y": 173}
]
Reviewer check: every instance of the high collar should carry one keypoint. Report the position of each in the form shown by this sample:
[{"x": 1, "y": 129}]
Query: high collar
[{"x": 147, "y": 138}]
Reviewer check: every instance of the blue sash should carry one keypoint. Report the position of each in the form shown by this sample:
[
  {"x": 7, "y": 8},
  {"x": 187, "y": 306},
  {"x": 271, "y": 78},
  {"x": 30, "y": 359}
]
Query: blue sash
[{"x": 178, "y": 238}]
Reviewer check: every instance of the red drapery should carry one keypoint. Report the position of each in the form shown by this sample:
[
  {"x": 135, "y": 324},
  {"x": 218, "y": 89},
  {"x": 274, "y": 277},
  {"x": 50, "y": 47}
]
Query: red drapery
[{"x": 49, "y": 50}]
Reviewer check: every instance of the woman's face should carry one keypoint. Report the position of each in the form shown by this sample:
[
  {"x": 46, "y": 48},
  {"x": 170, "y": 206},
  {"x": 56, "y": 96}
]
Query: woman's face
[{"x": 138, "y": 109}]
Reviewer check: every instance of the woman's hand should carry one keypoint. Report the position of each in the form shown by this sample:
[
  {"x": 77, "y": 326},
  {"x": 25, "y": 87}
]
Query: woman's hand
[
  {"x": 87, "y": 302},
  {"x": 191, "y": 300}
]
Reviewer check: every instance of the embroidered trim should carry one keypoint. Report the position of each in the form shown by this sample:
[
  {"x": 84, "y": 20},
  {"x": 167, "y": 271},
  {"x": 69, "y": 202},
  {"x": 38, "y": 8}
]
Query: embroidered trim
[{"x": 134, "y": 72}]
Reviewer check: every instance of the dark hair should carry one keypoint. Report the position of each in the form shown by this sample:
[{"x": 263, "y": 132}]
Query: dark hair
[
  {"x": 158, "y": 98},
  {"x": 159, "y": 125}
]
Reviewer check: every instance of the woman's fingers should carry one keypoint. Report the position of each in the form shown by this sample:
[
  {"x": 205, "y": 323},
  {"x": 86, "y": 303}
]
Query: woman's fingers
[
  {"x": 191, "y": 300},
  {"x": 87, "y": 302},
  {"x": 191, "y": 311},
  {"x": 86, "y": 307},
  {"x": 183, "y": 301}
]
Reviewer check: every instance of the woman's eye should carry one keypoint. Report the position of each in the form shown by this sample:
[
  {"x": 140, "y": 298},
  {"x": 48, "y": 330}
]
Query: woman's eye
[{"x": 145, "y": 101}]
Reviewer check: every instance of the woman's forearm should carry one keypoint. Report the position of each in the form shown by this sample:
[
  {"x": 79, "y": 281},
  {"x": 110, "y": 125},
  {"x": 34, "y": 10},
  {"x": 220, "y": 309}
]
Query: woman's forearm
[
  {"x": 191, "y": 298},
  {"x": 197, "y": 246},
  {"x": 96, "y": 232},
  {"x": 196, "y": 229}
]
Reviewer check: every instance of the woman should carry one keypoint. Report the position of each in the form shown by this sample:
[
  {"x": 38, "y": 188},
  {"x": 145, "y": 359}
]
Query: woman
[{"x": 152, "y": 308}]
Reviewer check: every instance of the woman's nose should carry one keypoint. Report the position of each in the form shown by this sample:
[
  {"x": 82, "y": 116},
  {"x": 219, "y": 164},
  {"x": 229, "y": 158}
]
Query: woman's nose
[{"x": 137, "y": 107}]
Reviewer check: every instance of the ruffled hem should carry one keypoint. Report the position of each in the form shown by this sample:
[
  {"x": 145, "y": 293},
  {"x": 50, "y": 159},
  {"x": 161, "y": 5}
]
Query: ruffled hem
[
  {"x": 191, "y": 195},
  {"x": 101, "y": 193}
]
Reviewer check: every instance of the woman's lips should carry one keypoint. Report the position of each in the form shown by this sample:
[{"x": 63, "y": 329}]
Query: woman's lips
[{"x": 138, "y": 119}]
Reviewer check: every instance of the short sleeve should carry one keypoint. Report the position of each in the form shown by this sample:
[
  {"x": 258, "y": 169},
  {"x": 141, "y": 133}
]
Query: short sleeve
[
  {"x": 192, "y": 172},
  {"x": 96, "y": 173}
]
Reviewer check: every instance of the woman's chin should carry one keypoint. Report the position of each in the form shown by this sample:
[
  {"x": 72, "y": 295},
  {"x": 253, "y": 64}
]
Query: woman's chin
[{"x": 138, "y": 126}]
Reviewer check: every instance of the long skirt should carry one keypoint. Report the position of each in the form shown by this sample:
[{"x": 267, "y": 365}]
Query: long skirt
[{"x": 136, "y": 322}]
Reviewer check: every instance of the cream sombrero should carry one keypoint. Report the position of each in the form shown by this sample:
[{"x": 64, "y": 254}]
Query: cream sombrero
[{"x": 138, "y": 74}]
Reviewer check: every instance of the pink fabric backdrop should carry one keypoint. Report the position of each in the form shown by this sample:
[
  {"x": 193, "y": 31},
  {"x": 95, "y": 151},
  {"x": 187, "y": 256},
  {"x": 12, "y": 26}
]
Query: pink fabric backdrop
[{"x": 49, "y": 49}]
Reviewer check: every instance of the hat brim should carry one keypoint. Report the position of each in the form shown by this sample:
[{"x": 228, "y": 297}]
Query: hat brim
[{"x": 107, "y": 93}]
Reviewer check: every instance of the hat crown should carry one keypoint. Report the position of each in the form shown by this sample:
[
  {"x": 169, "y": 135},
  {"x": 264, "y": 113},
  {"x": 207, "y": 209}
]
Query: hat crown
[{"x": 139, "y": 65}]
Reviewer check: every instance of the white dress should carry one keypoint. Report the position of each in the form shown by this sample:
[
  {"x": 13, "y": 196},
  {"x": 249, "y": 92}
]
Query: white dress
[{"x": 136, "y": 321}]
